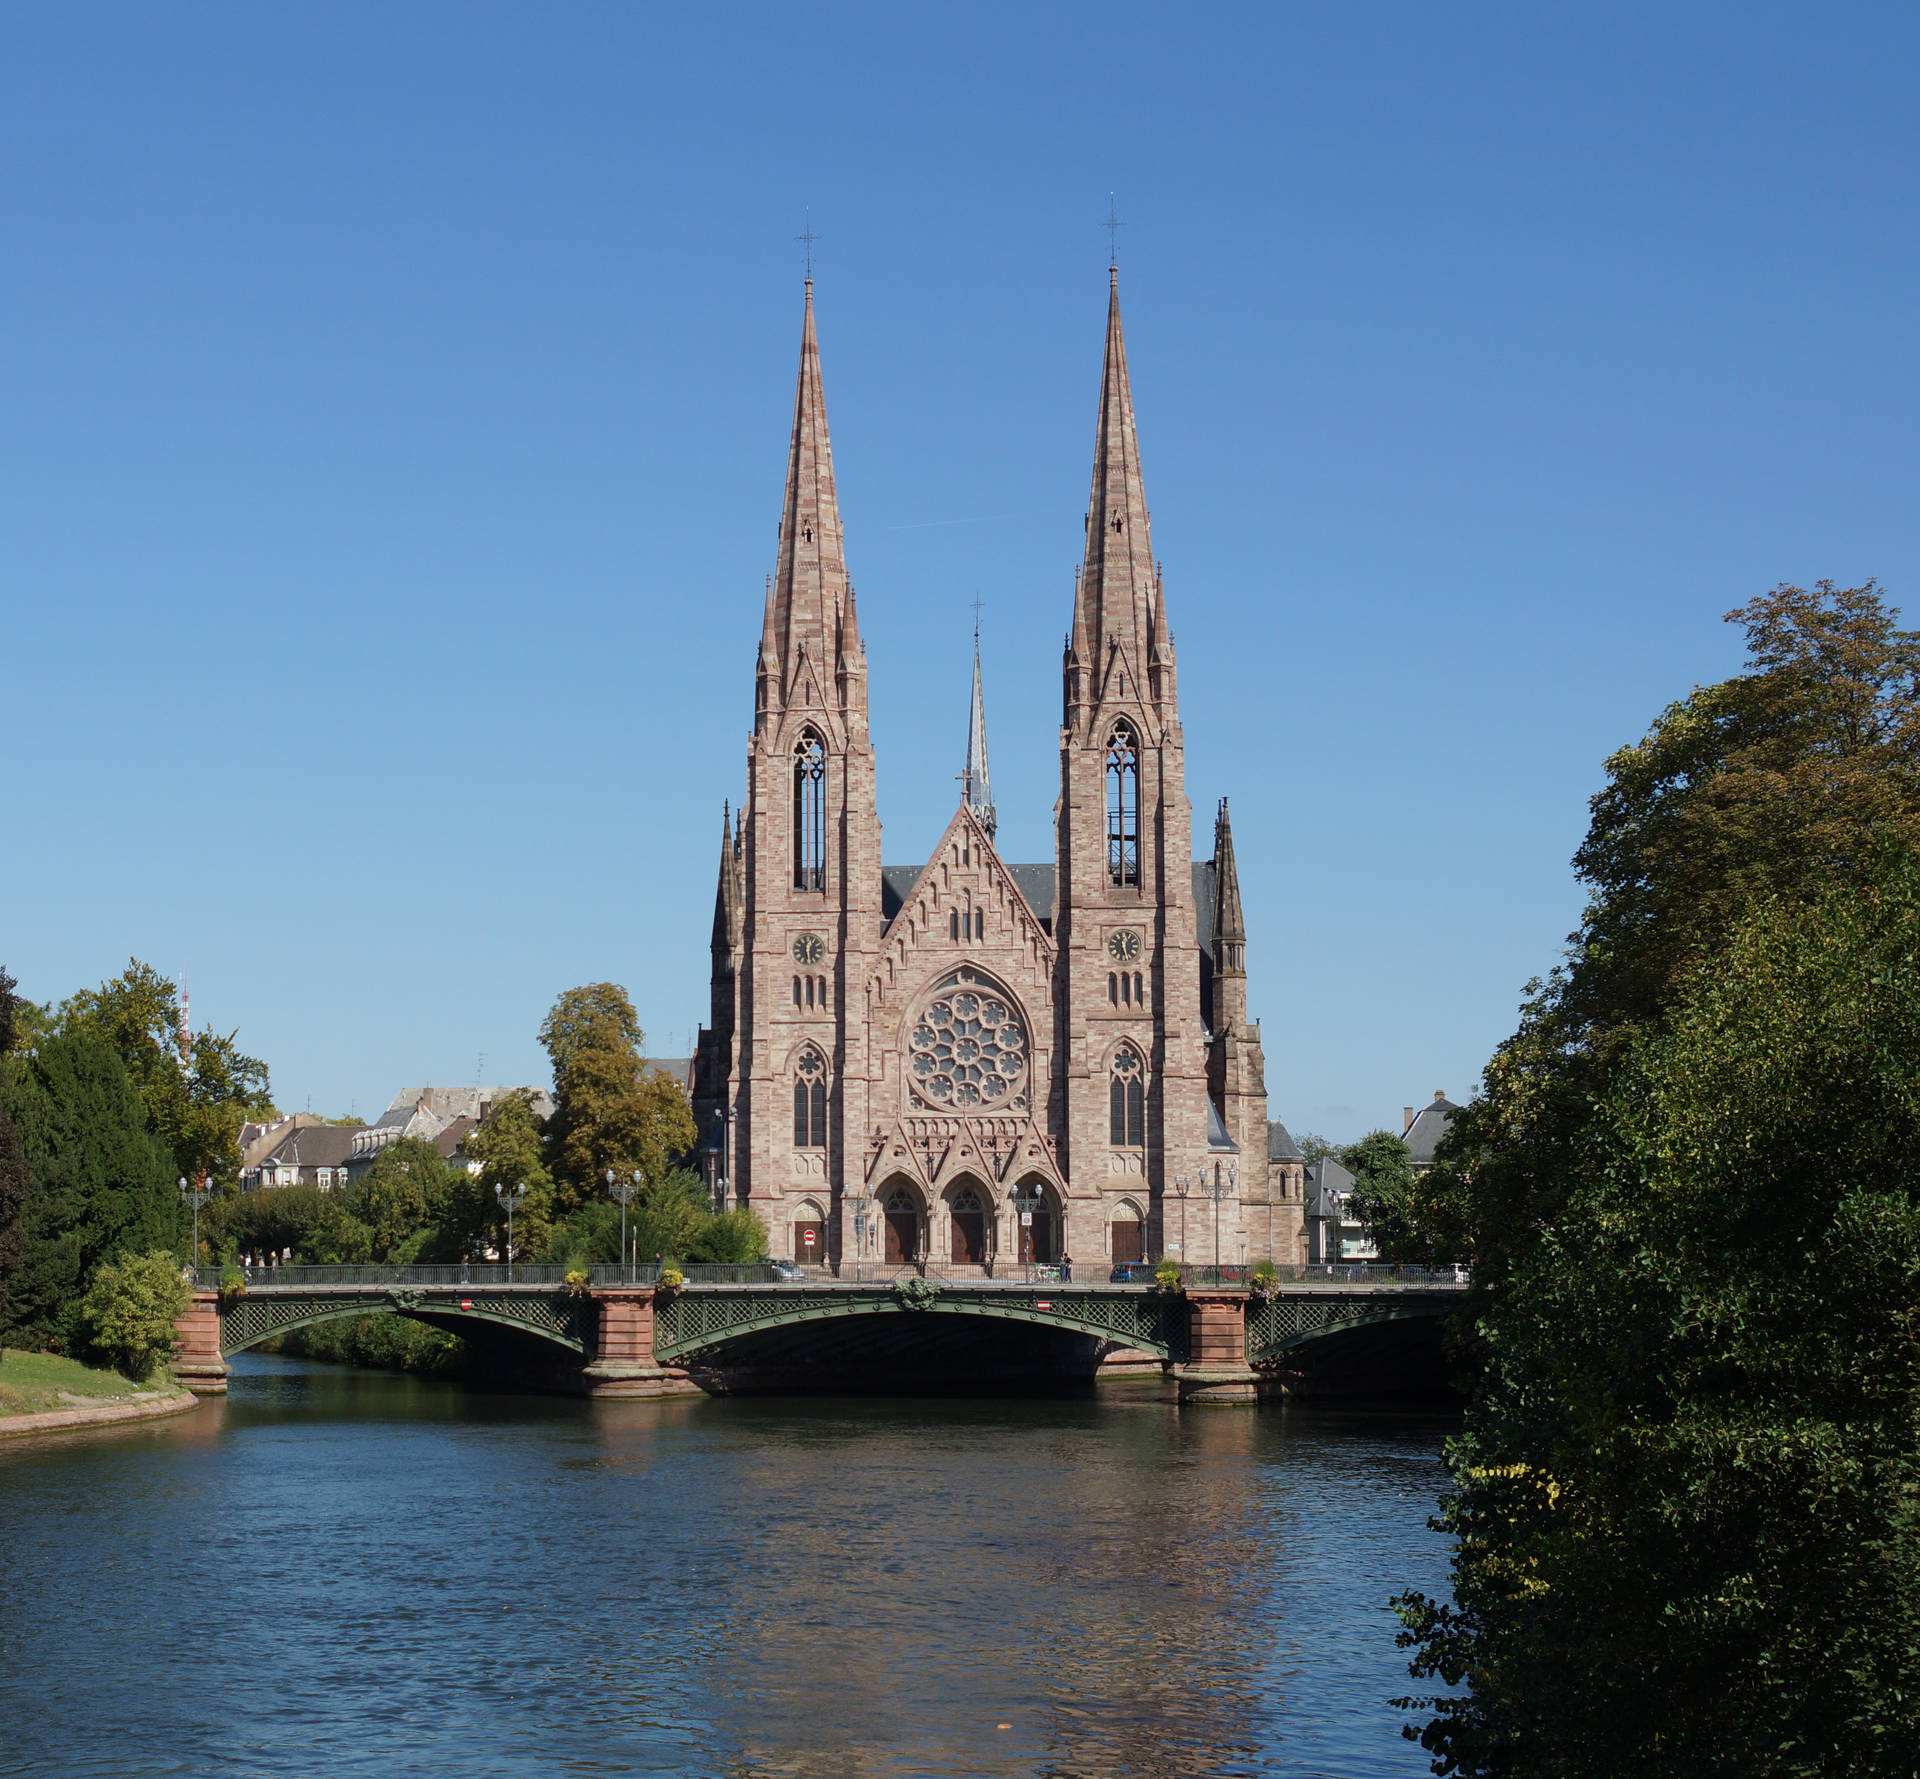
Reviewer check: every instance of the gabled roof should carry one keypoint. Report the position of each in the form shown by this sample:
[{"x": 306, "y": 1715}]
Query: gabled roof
[
  {"x": 1327, "y": 1183},
  {"x": 1424, "y": 1133},
  {"x": 313, "y": 1145},
  {"x": 1036, "y": 883}
]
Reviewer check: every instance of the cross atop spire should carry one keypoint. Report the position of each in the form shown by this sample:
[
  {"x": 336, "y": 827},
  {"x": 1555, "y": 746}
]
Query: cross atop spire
[
  {"x": 976, "y": 791},
  {"x": 808, "y": 606}
]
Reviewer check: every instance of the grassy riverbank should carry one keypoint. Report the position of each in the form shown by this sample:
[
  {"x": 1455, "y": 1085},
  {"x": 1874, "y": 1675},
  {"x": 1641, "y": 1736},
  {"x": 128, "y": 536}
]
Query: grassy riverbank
[{"x": 34, "y": 1383}]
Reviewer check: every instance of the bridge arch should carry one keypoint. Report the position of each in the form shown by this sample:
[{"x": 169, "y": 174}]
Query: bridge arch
[{"x": 557, "y": 1318}]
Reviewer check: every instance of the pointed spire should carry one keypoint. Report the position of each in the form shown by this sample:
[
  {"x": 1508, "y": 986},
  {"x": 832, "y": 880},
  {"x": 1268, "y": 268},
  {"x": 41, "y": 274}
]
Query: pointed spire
[
  {"x": 726, "y": 892},
  {"x": 1114, "y": 602},
  {"x": 1229, "y": 919},
  {"x": 976, "y": 790},
  {"x": 806, "y": 599}
]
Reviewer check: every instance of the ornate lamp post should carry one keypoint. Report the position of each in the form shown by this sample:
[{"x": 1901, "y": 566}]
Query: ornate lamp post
[
  {"x": 512, "y": 1200},
  {"x": 1217, "y": 1188},
  {"x": 1180, "y": 1185},
  {"x": 1025, "y": 1199},
  {"x": 196, "y": 1196},
  {"x": 859, "y": 1239},
  {"x": 623, "y": 1190}
]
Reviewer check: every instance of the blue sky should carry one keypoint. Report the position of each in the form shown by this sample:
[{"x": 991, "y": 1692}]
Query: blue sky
[{"x": 393, "y": 406}]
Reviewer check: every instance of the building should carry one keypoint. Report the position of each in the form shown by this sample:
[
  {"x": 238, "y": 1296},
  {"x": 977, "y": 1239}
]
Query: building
[
  {"x": 970, "y": 1060},
  {"x": 298, "y": 1151},
  {"x": 441, "y": 1116},
  {"x": 1334, "y": 1233},
  {"x": 1424, "y": 1128}
]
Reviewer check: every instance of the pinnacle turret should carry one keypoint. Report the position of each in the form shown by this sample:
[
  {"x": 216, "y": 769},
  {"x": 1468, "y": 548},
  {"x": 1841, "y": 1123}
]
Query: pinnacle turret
[
  {"x": 1229, "y": 919},
  {"x": 976, "y": 789}
]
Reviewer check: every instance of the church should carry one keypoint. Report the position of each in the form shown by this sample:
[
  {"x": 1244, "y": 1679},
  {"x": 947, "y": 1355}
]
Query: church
[{"x": 967, "y": 1064}]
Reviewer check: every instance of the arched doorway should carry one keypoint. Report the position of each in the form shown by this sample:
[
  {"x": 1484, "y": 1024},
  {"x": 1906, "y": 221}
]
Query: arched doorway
[
  {"x": 901, "y": 1216},
  {"x": 810, "y": 1234},
  {"x": 969, "y": 1219},
  {"x": 1038, "y": 1224},
  {"x": 1127, "y": 1234}
]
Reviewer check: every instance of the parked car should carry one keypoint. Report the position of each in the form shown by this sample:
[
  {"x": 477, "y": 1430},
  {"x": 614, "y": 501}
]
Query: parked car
[
  {"x": 1132, "y": 1272},
  {"x": 787, "y": 1272}
]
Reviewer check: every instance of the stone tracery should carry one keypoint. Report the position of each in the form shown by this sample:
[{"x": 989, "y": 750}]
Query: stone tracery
[{"x": 968, "y": 1047}]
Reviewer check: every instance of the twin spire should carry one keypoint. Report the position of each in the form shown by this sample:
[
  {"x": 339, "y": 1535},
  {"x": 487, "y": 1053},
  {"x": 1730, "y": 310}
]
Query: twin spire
[
  {"x": 810, "y": 640},
  {"x": 810, "y": 614}
]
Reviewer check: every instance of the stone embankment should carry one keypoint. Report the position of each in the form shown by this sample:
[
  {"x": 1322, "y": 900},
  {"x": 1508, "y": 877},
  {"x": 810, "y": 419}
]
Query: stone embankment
[{"x": 146, "y": 1406}]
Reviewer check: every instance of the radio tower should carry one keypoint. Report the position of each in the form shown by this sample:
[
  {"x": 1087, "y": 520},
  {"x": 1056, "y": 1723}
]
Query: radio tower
[{"x": 186, "y": 1023}]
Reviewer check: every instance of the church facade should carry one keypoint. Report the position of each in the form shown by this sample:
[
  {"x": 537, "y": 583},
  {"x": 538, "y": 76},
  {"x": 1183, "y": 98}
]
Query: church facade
[{"x": 968, "y": 1063}]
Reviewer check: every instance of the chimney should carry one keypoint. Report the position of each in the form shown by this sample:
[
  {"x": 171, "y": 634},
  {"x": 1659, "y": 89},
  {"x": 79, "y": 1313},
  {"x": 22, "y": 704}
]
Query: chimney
[
  {"x": 1407, "y": 1114},
  {"x": 1439, "y": 1093}
]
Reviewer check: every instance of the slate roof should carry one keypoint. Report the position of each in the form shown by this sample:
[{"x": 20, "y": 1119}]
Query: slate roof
[
  {"x": 1280, "y": 1146},
  {"x": 1217, "y": 1137},
  {"x": 313, "y": 1145},
  {"x": 1327, "y": 1183},
  {"x": 1424, "y": 1133}
]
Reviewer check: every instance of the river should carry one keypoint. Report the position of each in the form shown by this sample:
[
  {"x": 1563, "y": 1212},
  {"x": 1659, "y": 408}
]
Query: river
[{"x": 343, "y": 1573}]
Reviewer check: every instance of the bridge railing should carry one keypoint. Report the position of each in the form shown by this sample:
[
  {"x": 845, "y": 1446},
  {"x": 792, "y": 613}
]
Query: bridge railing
[
  {"x": 1337, "y": 1272},
  {"x": 487, "y": 1274}
]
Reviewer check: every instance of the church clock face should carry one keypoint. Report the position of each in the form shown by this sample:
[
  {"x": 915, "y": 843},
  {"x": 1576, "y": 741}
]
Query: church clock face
[
  {"x": 809, "y": 949},
  {"x": 1124, "y": 946}
]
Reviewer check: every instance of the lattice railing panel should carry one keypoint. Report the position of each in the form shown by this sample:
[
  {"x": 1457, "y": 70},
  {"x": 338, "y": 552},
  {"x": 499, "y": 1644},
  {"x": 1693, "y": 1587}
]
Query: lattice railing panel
[
  {"x": 556, "y": 1316},
  {"x": 1278, "y": 1322}
]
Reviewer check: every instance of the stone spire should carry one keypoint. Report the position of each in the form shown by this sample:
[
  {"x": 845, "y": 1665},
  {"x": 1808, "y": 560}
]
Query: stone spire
[
  {"x": 726, "y": 895},
  {"x": 1229, "y": 920},
  {"x": 977, "y": 791},
  {"x": 1115, "y": 610},
  {"x": 809, "y": 622}
]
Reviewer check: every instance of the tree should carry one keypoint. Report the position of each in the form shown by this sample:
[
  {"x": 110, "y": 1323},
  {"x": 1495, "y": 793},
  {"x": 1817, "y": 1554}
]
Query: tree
[
  {"x": 197, "y": 1108},
  {"x": 1684, "y": 1498},
  {"x": 101, "y": 1183},
  {"x": 509, "y": 1149},
  {"x": 130, "y": 1308},
  {"x": 316, "y": 1225},
  {"x": 1383, "y": 1195},
  {"x": 1781, "y": 780},
  {"x": 404, "y": 1200},
  {"x": 610, "y": 1109},
  {"x": 13, "y": 1161}
]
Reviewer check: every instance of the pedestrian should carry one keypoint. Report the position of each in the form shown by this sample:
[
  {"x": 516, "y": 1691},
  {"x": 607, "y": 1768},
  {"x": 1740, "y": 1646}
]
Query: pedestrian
[{"x": 1066, "y": 1269}]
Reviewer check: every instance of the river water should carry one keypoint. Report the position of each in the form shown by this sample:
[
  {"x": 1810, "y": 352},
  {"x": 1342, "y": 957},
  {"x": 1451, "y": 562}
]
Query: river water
[{"x": 345, "y": 1573}]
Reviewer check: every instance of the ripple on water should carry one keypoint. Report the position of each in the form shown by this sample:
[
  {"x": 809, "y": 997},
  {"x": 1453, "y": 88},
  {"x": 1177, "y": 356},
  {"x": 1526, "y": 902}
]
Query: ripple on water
[{"x": 343, "y": 1573}]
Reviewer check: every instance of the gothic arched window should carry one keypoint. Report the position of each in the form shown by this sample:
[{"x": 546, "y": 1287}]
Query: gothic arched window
[
  {"x": 809, "y": 813},
  {"x": 1127, "y": 1100},
  {"x": 810, "y": 1100},
  {"x": 1123, "y": 806}
]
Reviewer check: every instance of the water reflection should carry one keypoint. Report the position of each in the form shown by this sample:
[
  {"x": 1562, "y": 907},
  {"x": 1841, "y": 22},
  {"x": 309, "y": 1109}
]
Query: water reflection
[{"x": 344, "y": 1572}]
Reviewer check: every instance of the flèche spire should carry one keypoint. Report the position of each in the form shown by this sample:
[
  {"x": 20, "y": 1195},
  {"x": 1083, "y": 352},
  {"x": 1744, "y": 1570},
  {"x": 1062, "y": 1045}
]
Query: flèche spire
[
  {"x": 807, "y": 599},
  {"x": 1115, "y": 604},
  {"x": 977, "y": 790},
  {"x": 1229, "y": 918}
]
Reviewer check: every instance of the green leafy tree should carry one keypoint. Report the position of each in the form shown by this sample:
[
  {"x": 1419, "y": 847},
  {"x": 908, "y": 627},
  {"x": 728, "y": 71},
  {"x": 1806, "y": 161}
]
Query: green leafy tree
[
  {"x": 316, "y": 1225},
  {"x": 1780, "y": 780},
  {"x": 1383, "y": 1195},
  {"x": 1684, "y": 1506},
  {"x": 404, "y": 1200},
  {"x": 13, "y": 1162},
  {"x": 196, "y": 1109},
  {"x": 610, "y": 1109},
  {"x": 100, "y": 1183},
  {"x": 733, "y": 1238},
  {"x": 511, "y": 1153},
  {"x": 129, "y": 1311}
]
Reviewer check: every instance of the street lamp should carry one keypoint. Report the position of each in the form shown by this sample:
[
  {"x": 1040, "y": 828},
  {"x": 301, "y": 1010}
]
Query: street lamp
[
  {"x": 196, "y": 1196},
  {"x": 624, "y": 1190},
  {"x": 859, "y": 1239},
  {"x": 1026, "y": 1200},
  {"x": 1217, "y": 1189},
  {"x": 512, "y": 1200},
  {"x": 1180, "y": 1185}
]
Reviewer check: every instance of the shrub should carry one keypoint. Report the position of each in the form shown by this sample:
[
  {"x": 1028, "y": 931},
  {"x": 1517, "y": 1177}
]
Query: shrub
[
  {"x": 130, "y": 1308},
  {"x": 1167, "y": 1275}
]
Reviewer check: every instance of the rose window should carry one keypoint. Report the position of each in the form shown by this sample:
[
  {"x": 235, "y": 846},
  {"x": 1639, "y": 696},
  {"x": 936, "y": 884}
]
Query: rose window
[{"x": 968, "y": 1048}]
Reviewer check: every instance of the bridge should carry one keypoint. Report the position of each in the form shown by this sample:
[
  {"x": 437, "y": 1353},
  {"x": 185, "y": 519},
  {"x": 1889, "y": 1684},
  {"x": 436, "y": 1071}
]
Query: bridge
[{"x": 609, "y": 1332}]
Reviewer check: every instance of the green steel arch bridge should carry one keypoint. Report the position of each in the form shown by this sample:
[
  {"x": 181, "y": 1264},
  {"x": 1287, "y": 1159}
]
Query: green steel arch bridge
[{"x": 611, "y": 1333}]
